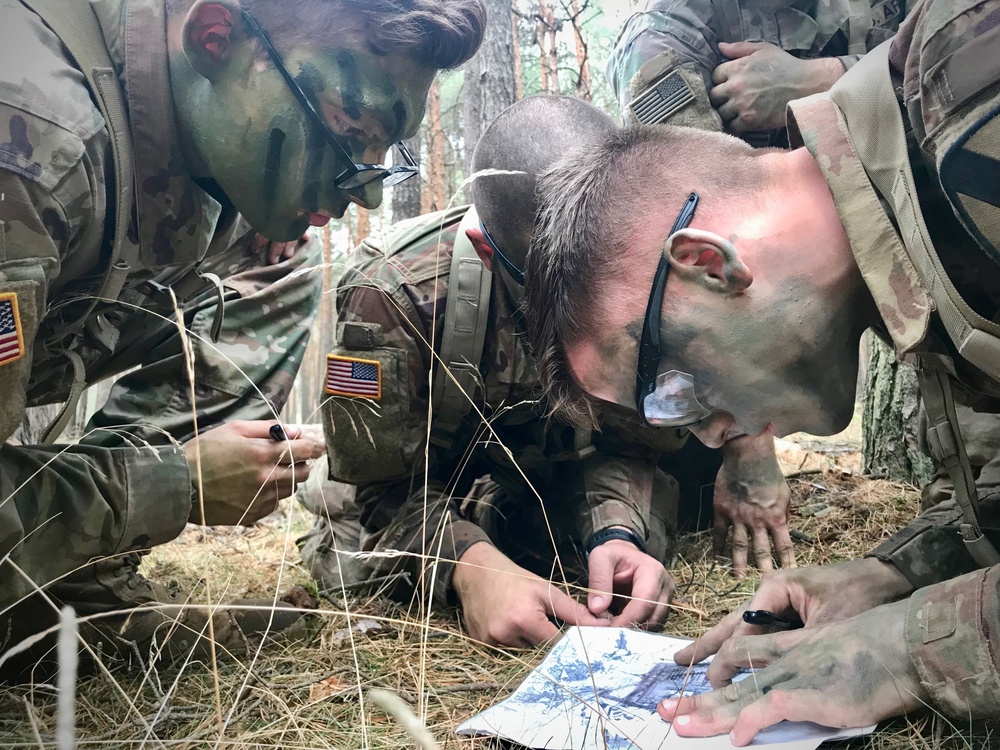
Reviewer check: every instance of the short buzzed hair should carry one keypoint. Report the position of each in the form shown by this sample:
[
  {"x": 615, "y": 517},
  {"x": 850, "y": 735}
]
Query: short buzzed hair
[
  {"x": 592, "y": 202},
  {"x": 440, "y": 34},
  {"x": 527, "y": 137}
]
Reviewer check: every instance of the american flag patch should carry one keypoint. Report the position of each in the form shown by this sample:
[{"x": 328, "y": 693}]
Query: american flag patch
[
  {"x": 11, "y": 338},
  {"x": 347, "y": 376}
]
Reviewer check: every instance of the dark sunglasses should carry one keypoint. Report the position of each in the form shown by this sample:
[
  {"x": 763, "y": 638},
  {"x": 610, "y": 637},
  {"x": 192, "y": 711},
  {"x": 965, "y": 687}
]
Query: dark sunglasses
[
  {"x": 356, "y": 174},
  {"x": 649, "y": 344}
]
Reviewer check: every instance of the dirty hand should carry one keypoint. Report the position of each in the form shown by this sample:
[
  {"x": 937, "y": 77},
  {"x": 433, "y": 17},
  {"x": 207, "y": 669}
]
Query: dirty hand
[
  {"x": 753, "y": 87},
  {"x": 505, "y": 605},
  {"x": 752, "y": 497},
  {"x": 846, "y": 674},
  {"x": 245, "y": 472},
  {"x": 618, "y": 571},
  {"x": 817, "y": 595},
  {"x": 279, "y": 251}
]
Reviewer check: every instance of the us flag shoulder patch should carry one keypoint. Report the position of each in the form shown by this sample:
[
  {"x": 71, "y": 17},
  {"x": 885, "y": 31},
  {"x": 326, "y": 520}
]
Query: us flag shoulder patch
[
  {"x": 11, "y": 337},
  {"x": 348, "y": 376}
]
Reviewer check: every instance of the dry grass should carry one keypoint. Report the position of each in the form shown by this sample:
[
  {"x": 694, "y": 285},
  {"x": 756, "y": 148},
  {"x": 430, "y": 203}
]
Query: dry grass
[{"x": 305, "y": 694}]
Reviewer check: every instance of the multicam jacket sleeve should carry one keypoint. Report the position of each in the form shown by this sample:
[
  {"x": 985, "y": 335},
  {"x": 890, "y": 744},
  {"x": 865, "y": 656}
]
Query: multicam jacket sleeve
[
  {"x": 953, "y": 630},
  {"x": 80, "y": 501},
  {"x": 693, "y": 29}
]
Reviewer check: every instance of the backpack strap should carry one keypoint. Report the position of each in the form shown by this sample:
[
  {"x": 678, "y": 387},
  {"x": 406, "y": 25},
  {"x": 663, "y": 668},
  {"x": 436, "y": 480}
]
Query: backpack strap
[
  {"x": 945, "y": 442},
  {"x": 466, "y": 314},
  {"x": 730, "y": 20},
  {"x": 859, "y": 23},
  {"x": 868, "y": 100}
]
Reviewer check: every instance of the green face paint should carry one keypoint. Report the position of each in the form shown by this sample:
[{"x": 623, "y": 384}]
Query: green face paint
[{"x": 253, "y": 138}]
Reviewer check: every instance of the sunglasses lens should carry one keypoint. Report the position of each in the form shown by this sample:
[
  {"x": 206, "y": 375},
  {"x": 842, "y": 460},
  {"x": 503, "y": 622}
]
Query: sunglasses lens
[
  {"x": 397, "y": 176},
  {"x": 673, "y": 402},
  {"x": 360, "y": 179}
]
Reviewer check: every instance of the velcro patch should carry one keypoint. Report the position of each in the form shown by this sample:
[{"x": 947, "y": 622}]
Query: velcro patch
[
  {"x": 349, "y": 376},
  {"x": 11, "y": 335}
]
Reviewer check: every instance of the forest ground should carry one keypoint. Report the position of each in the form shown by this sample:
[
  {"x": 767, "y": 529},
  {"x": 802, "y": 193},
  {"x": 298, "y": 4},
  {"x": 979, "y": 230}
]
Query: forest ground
[{"x": 305, "y": 694}]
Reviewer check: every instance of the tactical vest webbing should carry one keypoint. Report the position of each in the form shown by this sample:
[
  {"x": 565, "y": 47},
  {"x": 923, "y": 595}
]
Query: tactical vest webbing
[
  {"x": 868, "y": 100},
  {"x": 74, "y": 22},
  {"x": 466, "y": 315}
]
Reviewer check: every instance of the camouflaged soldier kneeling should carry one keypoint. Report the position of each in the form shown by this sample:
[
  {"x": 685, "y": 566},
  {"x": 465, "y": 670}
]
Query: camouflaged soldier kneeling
[
  {"x": 429, "y": 529},
  {"x": 142, "y": 145}
]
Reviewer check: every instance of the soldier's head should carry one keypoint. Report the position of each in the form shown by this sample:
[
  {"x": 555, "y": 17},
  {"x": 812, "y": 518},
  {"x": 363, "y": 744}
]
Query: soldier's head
[
  {"x": 288, "y": 104},
  {"x": 527, "y": 138},
  {"x": 754, "y": 320}
]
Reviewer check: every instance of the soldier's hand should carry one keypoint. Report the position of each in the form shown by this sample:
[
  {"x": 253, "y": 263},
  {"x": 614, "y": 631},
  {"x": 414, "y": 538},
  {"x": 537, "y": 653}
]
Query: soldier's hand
[
  {"x": 816, "y": 595},
  {"x": 753, "y": 87},
  {"x": 752, "y": 498},
  {"x": 245, "y": 471},
  {"x": 626, "y": 582},
  {"x": 505, "y": 605},
  {"x": 846, "y": 674},
  {"x": 279, "y": 251}
]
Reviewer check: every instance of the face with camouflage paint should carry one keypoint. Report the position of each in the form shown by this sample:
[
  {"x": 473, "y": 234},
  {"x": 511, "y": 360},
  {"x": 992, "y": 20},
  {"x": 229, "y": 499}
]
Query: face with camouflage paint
[
  {"x": 767, "y": 322},
  {"x": 243, "y": 127}
]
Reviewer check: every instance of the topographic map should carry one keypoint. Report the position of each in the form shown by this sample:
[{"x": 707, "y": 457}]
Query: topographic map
[{"x": 597, "y": 689}]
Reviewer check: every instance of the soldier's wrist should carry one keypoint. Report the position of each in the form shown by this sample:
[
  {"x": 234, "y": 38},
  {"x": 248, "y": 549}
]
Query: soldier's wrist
[{"x": 623, "y": 533}]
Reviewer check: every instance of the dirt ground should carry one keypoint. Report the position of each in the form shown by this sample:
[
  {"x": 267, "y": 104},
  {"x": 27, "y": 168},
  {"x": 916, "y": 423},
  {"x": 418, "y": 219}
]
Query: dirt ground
[{"x": 305, "y": 694}]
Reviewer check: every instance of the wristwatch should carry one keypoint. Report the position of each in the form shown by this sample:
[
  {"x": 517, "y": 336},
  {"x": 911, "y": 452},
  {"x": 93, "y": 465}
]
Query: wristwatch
[{"x": 617, "y": 532}]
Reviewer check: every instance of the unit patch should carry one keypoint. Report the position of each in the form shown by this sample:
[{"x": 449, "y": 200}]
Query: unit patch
[
  {"x": 348, "y": 376},
  {"x": 11, "y": 337}
]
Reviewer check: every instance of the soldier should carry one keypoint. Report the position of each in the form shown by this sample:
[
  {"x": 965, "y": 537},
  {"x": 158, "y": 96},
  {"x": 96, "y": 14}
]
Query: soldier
[
  {"x": 709, "y": 63},
  {"x": 503, "y": 486},
  {"x": 234, "y": 115},
  {"x": 763, "y": 283}
]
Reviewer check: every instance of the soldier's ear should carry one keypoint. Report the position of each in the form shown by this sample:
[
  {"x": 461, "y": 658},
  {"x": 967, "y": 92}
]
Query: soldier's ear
[
  {"x": 481, "y": 245},
  {"x": 708, "y": 260},
  {"x": 212, "y": 31}
]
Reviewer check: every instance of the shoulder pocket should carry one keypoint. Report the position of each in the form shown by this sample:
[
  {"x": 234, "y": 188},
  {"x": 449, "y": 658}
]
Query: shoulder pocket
[{"x": 365, "y": 405}]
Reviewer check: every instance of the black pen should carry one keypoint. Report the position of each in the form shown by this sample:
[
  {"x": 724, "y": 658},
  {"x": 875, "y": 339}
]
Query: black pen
[
  {"x": 771, "y": 620},
  {"x": 277, "y": 432}
]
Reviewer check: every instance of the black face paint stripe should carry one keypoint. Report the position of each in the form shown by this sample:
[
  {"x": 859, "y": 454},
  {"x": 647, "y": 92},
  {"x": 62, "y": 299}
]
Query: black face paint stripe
[
  {"x": 350, "y": 89},
  {"x": 272, "y": 167},
  {"x": 399, "y": 112}
]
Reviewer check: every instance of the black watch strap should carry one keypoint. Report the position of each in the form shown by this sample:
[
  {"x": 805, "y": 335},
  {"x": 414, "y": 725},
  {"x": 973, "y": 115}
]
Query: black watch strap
[{"x": 606, "y": 535}]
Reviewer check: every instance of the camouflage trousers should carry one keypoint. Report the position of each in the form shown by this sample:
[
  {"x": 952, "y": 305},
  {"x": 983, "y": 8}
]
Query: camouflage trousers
[
  {"x": 247, "y": 374},
  {"x": 515, "y": 524}
]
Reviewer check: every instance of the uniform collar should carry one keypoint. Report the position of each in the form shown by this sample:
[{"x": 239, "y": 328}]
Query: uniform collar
[
  {"x": 818, "y": 124},
  {"x": 172, "y": 211}
]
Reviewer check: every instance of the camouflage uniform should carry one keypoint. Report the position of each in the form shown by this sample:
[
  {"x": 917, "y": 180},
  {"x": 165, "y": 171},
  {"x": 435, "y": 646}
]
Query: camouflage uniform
[
  {"x": 953, "y": 626},
  {"x": 692, "y": 29},
  {"x": 390, "y": 306},
  {"x": 113, "y": 493}
]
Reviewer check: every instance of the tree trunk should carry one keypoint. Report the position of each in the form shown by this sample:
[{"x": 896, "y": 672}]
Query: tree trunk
[
  {"x": 582, "y": 52},
  {"x": 516, "y": 43},
  {"x": 489, "y": 86},
  {"x": 549, "y": 44},
  {"x": 434, "y": 197},
  {"x": 406, "y": 195},
  {"x": 890, "y": 423}
]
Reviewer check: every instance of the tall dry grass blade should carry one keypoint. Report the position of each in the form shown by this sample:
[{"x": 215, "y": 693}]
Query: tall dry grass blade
[
  {"x": 396, "y": 707},
  {"x": 66, "y": 649}
]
